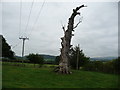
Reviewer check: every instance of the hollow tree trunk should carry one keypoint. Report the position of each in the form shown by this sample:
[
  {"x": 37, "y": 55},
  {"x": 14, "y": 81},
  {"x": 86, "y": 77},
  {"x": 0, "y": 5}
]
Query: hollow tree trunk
[{"x": 64, "y": 66}]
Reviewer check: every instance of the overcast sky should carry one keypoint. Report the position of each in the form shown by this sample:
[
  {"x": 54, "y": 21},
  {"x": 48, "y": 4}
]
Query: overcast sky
[{"x": 97, "y": 34}]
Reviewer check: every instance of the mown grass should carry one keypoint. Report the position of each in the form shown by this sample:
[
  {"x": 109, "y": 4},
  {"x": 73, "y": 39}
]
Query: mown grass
[
  {"x": 27, "y": 64},
  {"x": 29, "y": 77}
]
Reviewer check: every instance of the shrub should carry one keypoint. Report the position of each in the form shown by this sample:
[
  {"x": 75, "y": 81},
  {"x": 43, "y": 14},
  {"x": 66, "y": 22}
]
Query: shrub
[{"x": 36, "y": 59}]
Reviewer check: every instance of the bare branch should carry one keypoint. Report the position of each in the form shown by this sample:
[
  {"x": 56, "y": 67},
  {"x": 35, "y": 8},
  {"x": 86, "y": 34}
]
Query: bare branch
[
  {"x": 75, "y": 11},
  {"x": 77, "y": 24},
  {"x": 63, "y": 27},
  {"x": 72, "y": 34},
  {"x": 80, "y": 7}
]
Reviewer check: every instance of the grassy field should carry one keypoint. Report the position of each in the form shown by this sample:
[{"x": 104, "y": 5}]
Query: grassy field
[
  {"x": 27, "y": 64},
  {"x": 29, "y": 77}
]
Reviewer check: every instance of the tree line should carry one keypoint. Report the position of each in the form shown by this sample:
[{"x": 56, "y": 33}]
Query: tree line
[{"x": 112, "y": 66}]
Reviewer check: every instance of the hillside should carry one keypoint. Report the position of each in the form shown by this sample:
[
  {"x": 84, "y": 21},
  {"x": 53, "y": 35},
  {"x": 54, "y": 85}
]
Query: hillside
[
  {"x": 52, "y": 58},
  {"x": 20, "y": 58},
  {"x": 103, "y": 58},
  {"x": 48, "y": 57}
]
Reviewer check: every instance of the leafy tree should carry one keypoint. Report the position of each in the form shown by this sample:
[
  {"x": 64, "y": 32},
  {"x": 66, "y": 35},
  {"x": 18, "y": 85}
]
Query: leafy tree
[
  {"x": 36, "y": 59},
  {"x": 94, "y": 66},
  {"x": 6, "y": 49},
  {"x": 57, "y": 59},
  {"x": 112, "y": 66},
  {"x": 89, "y": 66},
  {"x": 75, "y": 54},
  {"x": 117, "y": 65},
  {"x": 108, "y": 67},
  {"x": 98, "y": 65}
]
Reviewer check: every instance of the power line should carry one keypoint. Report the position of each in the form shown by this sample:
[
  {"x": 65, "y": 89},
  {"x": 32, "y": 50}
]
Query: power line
[
  {"x": 37, "y": 16},
  {"x": 29, "y": 16},
  {"x": 39, "y": 13},
  {"x": 20, "y": 17},
  {"x": 20, "y": 20},
  {"x": 16, "y": 45}
]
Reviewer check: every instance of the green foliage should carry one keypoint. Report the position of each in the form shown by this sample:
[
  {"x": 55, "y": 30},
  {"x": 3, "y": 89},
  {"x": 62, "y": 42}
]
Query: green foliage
[
  {"x": 117, "y": 65},
  {"x": 6, "y": 49},
  {"x": 36, "y": 59},
  {"x": 77, "y": 53},
  {"x": 49, "y": 62},
  {"x": 24, "y": 77},
  {"x": 108, "y": 67},
  {"x": 6, "y": 59},
  {"x": 112, "y": 66},
  {"x": 94, "y": 66},
  {"x": 57, "y": 60}
]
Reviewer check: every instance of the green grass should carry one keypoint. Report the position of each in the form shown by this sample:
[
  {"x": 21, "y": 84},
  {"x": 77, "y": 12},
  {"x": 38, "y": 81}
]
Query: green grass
[
  {"x": 27, "y": 64},
  {"x": 29, "y": 77}
]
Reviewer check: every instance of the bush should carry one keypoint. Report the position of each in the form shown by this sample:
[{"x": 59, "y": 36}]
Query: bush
[
  {"x": 57, "y": 60},
  {"x": 89, "y": 66},
  {"x": 5, "y": 59},
  {"x": 112, "y": 66},
  {"x": 36, "y": 59},
  {"x": 117, "y": 65},
  {"x": 108, "y": 67},
  {"x": 94, "y": 66}
]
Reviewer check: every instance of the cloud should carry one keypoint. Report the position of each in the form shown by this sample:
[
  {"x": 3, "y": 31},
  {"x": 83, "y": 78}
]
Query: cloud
[{"x": 97, "y": 34}]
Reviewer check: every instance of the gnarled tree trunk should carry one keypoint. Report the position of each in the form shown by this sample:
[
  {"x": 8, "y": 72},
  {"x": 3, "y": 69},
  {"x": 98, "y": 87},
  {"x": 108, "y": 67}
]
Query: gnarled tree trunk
[{"x": 64, "y": 66}]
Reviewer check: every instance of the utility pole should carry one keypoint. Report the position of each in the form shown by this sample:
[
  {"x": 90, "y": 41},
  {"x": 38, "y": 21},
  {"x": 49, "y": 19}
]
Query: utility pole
[
  {"x": 77, "y": 58},
  {"x": 23, "y": 38}
]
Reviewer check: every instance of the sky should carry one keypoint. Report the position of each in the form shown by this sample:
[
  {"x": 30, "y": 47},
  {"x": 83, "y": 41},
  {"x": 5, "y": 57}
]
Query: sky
[{"x": 97, "y": 34}]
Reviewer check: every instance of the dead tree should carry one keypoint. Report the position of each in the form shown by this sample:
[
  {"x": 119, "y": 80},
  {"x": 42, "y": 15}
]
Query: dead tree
[{"x": 64, "y": 66}]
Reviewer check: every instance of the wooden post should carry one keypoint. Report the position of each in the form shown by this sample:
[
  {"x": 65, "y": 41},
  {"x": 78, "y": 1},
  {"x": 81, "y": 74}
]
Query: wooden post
[{"x": 77, "y": 66}]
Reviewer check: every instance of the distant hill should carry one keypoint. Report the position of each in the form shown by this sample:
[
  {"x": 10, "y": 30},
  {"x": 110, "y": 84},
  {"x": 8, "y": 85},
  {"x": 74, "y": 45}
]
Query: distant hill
[
  {"x": 103, "y": 58},
  {"x": 52, "y": 58},
  {"x": 48, "y": 57},
  {"x": 20, "y": 58}
]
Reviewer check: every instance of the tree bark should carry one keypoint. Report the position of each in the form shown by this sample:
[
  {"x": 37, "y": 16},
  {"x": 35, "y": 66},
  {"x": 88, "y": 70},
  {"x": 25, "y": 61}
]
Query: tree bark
[{"x": 64, "y": 66}]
